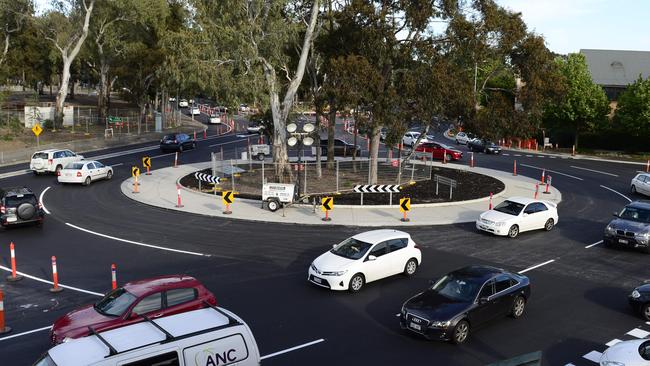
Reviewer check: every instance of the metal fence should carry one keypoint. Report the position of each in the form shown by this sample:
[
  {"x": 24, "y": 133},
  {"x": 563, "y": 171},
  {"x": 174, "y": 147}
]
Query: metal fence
[{"x": 247, "y": 176}]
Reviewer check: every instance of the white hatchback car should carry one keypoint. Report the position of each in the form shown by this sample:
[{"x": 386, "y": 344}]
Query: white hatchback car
[
  {"x": 195, "y": 111},
  {"x": 464, "y": 138},
  {"x": 364, "y": 258},
  {"x": 183, "y": 103},
  {"x": 518, "y": 214},
  {"x": 411, "y": 137},
  {"x": 627, "y": 353},
  {"x": 52, "y": 161},
  {"x": 215, "y": 118},
  {"x": 85, "y": 172},
  {"x": 641, "y": 184}
]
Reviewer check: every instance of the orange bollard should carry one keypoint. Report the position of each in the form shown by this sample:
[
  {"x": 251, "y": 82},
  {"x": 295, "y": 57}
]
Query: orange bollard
[
  {"x": 543, "y": 175},
  {"x": 176, "y": 160},
  {"x": 647, "y": 167},
  {"x": 178, "y": 200},
  {"x": 113, "y": 277},
  {"x": 536, "y": 189},
  {"x": 548, "y": 185},
  {"x": 471, "y": 161},
  {"x": 3, "y": 327},
  {"x": 195, "y": 135},
  {"x": 573, "y": 150},
  {"x": 55, "y": 277},
  {"x": 490, "y": 207},
  {"x": 205, "y": 134},
  {"x": 136, "y": 185},
  {"x": 444, "y": 156},
  {"x": 514, "y": 169},
  {"x": 13, "y": 277}
]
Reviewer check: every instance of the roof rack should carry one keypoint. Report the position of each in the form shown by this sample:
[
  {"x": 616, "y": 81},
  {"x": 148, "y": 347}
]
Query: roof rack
[{"x": 111, "y": 350}]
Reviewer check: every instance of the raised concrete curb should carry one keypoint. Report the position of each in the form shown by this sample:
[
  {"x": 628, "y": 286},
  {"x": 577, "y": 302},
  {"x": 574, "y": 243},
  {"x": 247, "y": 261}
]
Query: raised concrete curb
[{"x": 159, "y": 189}]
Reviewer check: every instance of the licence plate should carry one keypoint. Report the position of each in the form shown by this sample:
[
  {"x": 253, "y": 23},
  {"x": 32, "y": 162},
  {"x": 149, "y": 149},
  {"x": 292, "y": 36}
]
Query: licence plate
[
  {"x": 68, "y": 174},
  {"x": 318, "y": 280},
  {"x": 11, "y": 219},
  {"x": 415, "y": 326},
  {"x": 623, "y": 241}
]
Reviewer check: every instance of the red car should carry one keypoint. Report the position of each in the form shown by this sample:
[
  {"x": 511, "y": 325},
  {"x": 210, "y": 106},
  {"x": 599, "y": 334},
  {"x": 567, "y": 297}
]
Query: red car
[
  {"x": 154, "y": 297},
  {"x": 438, "y": 151}
]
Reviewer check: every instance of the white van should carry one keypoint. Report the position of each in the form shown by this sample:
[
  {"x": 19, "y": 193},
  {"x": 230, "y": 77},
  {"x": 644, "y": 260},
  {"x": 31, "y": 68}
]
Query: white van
[{"x": 204, "y": 337}]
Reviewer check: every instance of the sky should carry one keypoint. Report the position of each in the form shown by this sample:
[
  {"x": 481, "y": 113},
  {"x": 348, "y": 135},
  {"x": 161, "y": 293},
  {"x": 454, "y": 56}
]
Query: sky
[{"x": 571, "y": 25}]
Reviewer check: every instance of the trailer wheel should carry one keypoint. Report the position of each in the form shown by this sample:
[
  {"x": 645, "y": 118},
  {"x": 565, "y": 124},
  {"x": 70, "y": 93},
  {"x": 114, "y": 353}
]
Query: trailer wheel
[
  {"x": 260, "y": 157},
  {"x": 274, "y": 205}
]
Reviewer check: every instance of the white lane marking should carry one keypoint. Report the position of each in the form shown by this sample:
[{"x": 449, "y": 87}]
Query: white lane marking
[
  {"x": 122, "y": 153},
  {"x": 229, "y": 142},
  {"x": 136, "y": 242},
  {"x": 537, "y": 266},
  {"x": 592, "y": 170},
  {"x": 552, "y": 157},
  {"x": 292, "y": 349},
  {"x": 540, "y": 156},
  {"x": 594, "y": 244},
  {"x": 26, "y": 333},
  {"x": 517, "y": 155},
  {"x": 569, "y": 364},
  {"x": 551, "y": 171},
  {"x": 505, "y": 154},
  {"x": 529, "y": 156},
  {"x": 14, "y": 174},
  {"x": 638, "y": 333},
  {"x": 51, "y": 283},
  {"x": 593, "y": 356},
  {"x": 398, "y": 314},
  {"x": 40, "y": 199},
  {"x": 618, "y": 193},
  {"x": 162, "y": 156},
  {"x": 613, "y": 342},
  {"x": 114, "y": 165}
]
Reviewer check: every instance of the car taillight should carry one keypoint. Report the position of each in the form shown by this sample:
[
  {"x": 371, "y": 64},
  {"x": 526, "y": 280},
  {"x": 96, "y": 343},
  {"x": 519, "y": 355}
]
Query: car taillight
[
  {"x": 50, "y": 161},
  {"x": 40, "y": 205},
  {"x": 58, "y": 173},
  {"x": 416, "y": 246},
  {"x": 3, "y": 209},
  {"x": 78, "y": 174},
  {"x": 175, "y": 141}
]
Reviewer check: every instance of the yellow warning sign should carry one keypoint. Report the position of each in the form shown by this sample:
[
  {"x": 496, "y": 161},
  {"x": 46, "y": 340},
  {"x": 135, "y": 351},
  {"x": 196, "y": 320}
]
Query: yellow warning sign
[{"x": 37, "y": 129}]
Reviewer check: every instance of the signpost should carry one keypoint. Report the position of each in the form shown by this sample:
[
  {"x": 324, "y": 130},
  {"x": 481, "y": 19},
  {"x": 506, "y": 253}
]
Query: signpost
[
  {"x": 37, "y": 129},
  {"x": 327, "y": 204},
  {"x": 228, "y": 198},
  {"x": 404, "y": 207},
  {"x": 135, "y": 173},
  {"x": 146, "y": 162}
]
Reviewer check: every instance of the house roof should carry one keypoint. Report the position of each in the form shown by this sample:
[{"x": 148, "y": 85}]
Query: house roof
[{"x": 617, "y": 68}]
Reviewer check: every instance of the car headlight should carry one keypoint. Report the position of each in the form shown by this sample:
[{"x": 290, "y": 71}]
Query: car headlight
[
  {"x": 610, "y": 229},
  {"x": 335, "y": 273},
  {"x": 313, "y": 267},
  {"x": 644, "y": 238},
  {"x": 440, "y": 324},
  {"x": 611, "y": 363},
  {"x": 636, "y": 294}
]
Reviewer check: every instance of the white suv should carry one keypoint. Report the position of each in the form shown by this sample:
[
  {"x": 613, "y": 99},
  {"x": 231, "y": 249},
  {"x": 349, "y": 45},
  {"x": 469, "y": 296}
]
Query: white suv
[
  {"x": 52, "y": 160},
  {"x": 641, "y": 184}
]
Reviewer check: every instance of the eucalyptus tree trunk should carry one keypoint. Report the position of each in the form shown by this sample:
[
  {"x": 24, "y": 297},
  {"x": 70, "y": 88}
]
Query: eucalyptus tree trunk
[{"x": 374, "y": 153}]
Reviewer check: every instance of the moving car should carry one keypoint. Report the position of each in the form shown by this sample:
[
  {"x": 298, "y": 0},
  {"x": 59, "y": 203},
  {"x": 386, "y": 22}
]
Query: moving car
[
  {"x": 484, "y": 146},
  {"x": 153, "y": 297},
  {"x": 52, "y": 160},
  {"x": 254, "y": 128},
  {"x": 364, "y": 258},
  {"x": 464, "y": 137},
  {"x": 84, "y": 172},
  {"x": 518, "y": 214},
  {"x": 627, "y": 353},
  {"x": 195, "y": 111},
  {"x": 411, "y": 137},
  {"x": 20, "y": 206},
  {"x": 210, "y": 336},
  {"x": 177, "y": 142},
  {"x": 341, "y": 148},
  {"x": 438, "y": 151},
  {"x": 641, "y": 184},
  {"x": 640, "y": 300},
  {"x": 630, "y": 228},
  {"x": 183, "y": 103},
  {"x": 464, "y": 299},
  {"x": 215, "y": 118}
]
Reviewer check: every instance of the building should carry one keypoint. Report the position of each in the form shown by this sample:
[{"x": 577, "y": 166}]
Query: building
[{"x": 614, "y": 70}]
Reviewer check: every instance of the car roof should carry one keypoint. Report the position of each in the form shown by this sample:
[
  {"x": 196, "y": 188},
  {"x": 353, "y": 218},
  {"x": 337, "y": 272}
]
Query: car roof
[
  {"x": 14, "y": 191},
  {"x": 143, "y": 287},
  {"x": 644, "y": 204},
  {"x": 91, "y": 349},
  {"x": 522, "y": 200},
  {"x": 377, "y": 236},
  {"x": 49, "y": 151},
  {"x": 479, "y": 272}
]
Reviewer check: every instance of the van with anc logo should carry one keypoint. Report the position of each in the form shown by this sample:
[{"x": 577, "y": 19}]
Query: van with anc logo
[{"x": 206, "y": 337}]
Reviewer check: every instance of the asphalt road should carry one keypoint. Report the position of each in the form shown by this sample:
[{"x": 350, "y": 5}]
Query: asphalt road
[{"x": 258, "y": 270}]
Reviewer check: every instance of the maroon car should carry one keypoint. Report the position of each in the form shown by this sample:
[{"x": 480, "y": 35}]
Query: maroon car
[
  {"x": 438, "y": 151},
  {"x": 154, "y": 298}
]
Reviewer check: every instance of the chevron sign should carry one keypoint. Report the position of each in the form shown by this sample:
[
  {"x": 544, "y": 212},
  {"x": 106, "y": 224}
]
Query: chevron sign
[
  {"x": 206, "y": 178},
  {"x": 377, "y": 188}
]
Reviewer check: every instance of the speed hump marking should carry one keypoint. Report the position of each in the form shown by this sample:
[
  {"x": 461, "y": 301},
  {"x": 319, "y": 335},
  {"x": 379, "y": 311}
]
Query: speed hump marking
[
  {"x": 405, "y": 204},
  {"x": 228, "y": 197},
  {"x": 135, "y": 171},
  {"x": 146, "y": 162},
  {"x": 327, "y": 203}
]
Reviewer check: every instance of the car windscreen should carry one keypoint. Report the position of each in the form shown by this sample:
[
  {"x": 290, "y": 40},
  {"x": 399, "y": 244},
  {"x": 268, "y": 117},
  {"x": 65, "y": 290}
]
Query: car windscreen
[
  {"x": 40, "y": 155},
  {"x": 115, "y": 303},
  {"x": 635, "y": 214},
  {"x": 169, "y": 137},
  {"x": 509, "y": 207},
  {"x": 75, "y": 166},
  {"x": 457, "y": 288},
  {"x": 15, "y": 201},
  {"x": 351, "y": 248}
]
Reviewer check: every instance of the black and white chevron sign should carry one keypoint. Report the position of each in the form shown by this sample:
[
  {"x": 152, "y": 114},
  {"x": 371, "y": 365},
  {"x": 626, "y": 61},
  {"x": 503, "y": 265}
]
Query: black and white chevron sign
[
  {"x": 206, "y": 178},
  {"x": 377, "y": 188}
]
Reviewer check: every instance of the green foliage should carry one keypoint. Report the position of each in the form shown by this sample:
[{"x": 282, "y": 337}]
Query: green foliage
[{"x": 633, "y": 109}]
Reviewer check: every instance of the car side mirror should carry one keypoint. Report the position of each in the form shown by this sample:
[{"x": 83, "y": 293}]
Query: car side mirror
[
  {"x": 372, "y": 258},
  {"x": 615, "y": 214},
  {"x": 333, "y": 246},
  {"x": 482, "y": 300}
]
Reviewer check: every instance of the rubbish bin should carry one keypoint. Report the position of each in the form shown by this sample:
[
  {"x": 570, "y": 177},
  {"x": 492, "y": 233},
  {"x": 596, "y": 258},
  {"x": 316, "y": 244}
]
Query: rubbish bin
[
  {"x": 244, "y": 155},
  {"x": 158, "y": 122}
]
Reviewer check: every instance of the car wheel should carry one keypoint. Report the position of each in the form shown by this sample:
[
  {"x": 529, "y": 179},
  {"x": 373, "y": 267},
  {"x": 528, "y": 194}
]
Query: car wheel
[
  {"x": 260, "y": 157},
  {"x": 448, "y": 157},
  {"x": 356, "y": 283},
  {"x": 633, "y": 189},
  {"x": 548, "y": 226},
  {"x": 461, "y": 332},
  {"x": 87, "y": 181},
  {"x": 410, "y": 267},
  {"x": 645, "y": 311},
  {"x": 273, "y": 205},
  {"x": 58, "y": 170},
  {"x": 518, "y": 307},
  {"x": 109, "y": 175},
  {"x": 514, "y": 231}
]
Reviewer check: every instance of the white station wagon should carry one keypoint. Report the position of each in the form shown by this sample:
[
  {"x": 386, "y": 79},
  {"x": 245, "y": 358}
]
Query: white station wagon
[{"x": 52, "y": 161}]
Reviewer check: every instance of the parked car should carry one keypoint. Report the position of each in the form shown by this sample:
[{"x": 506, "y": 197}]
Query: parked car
[
  {"x": 254, "y": 128},
  {"x": 465, "y": 299},
  {"x": 195, "y": 111},
  {"x": 464, "y": 137},
  {"x": 484, "y": 146},
  {"x": 52, "y": 160},
  {"x": 341, "y": 148},
  {"x": 518, "y": 214},
  {"x": 438, "y": 151},
  {"x": 153, "y": 297},
  {"x": 177, "y": 142},
  {"x": 630, "y": 228},
  {"x": 183, "y": 103},
  {"x": 84, "y": 172},
  {"x": 364, "y": 258},
  {"x": 215, "y": 118},
  {"x": 641, "y": 184},
  {"x": 20, "y": 206},
  {"x": 627, "y": 353},
  {"x": 640, "y": 300},
  {"x": 411, "y": 137},
  {"x": 211, "y": 336}
]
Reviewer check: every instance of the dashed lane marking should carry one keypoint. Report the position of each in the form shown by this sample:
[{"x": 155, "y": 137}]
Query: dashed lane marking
[
  {"x": 613, "y": 342},
  {"x": 594, "y": 244},
  {"x": 118, "y": 164},
  {"x": 618, "y": 193},
  {"x": 25, "y": 333},
  {"x": 536, "y": 266},
  {"x": 292, "y": 349},
  {"x": 638, "y": 333},
  {"x": 40, "y": 199},
  {"x": 517, "y": 155},
  {"x": 52, "y": 283},
  {"x": 594, "y": 171},
  {"x": 593, "y": 356},
  {"x": 551, "y": 171},
  {"x": 529, "y": 156}
]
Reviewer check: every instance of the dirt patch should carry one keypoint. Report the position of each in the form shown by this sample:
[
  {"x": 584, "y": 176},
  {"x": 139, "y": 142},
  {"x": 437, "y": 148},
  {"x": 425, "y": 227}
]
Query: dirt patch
[{"x": 469, "y": 185}]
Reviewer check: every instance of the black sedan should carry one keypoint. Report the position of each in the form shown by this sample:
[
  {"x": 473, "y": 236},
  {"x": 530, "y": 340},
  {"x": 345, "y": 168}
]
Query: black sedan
[
  {"x": 640, "y": 300},
  {"x": 465, "y": 299},
  {"x": 341, "y": 148},
  {"x": 177, "y": 142},
  {"x": 485, "y": 146}
]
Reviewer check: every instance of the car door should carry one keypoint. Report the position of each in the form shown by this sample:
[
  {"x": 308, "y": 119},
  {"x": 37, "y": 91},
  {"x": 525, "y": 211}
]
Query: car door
[
  {"x": 380, "y": 266},
  {"x": 527, "y": 219},
  {"x": 70, "y": 156},
  {"x": 485, "y": 308},
  {"x": 180, "y": 300},
  {"x": 102, "y": 170},
  {"x": 91, "y": 171},
  {"x": 397, "y": 254},
  {"x": 645, "y": 184},
  {"x": 504, "y": 296}
]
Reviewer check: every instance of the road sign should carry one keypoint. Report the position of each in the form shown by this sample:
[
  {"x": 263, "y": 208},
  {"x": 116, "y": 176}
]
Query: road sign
[
  {"x": 228, "y": 197},
  {"x": 394, "y": 163},
  {"x": 405, "y": 204},
  {"x": 146, "y": 162},
  {"x": 377, "y": 188},
  {"x": 327, "y": 203},
  {"x": 37, "y": 129},
  {"x": 135, "y": 171},
  {"x": 207, "y": 178}
]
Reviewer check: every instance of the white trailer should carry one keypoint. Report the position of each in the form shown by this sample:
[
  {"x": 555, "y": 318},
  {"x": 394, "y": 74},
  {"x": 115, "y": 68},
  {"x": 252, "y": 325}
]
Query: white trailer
[{"x": 277, "y": 195}]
